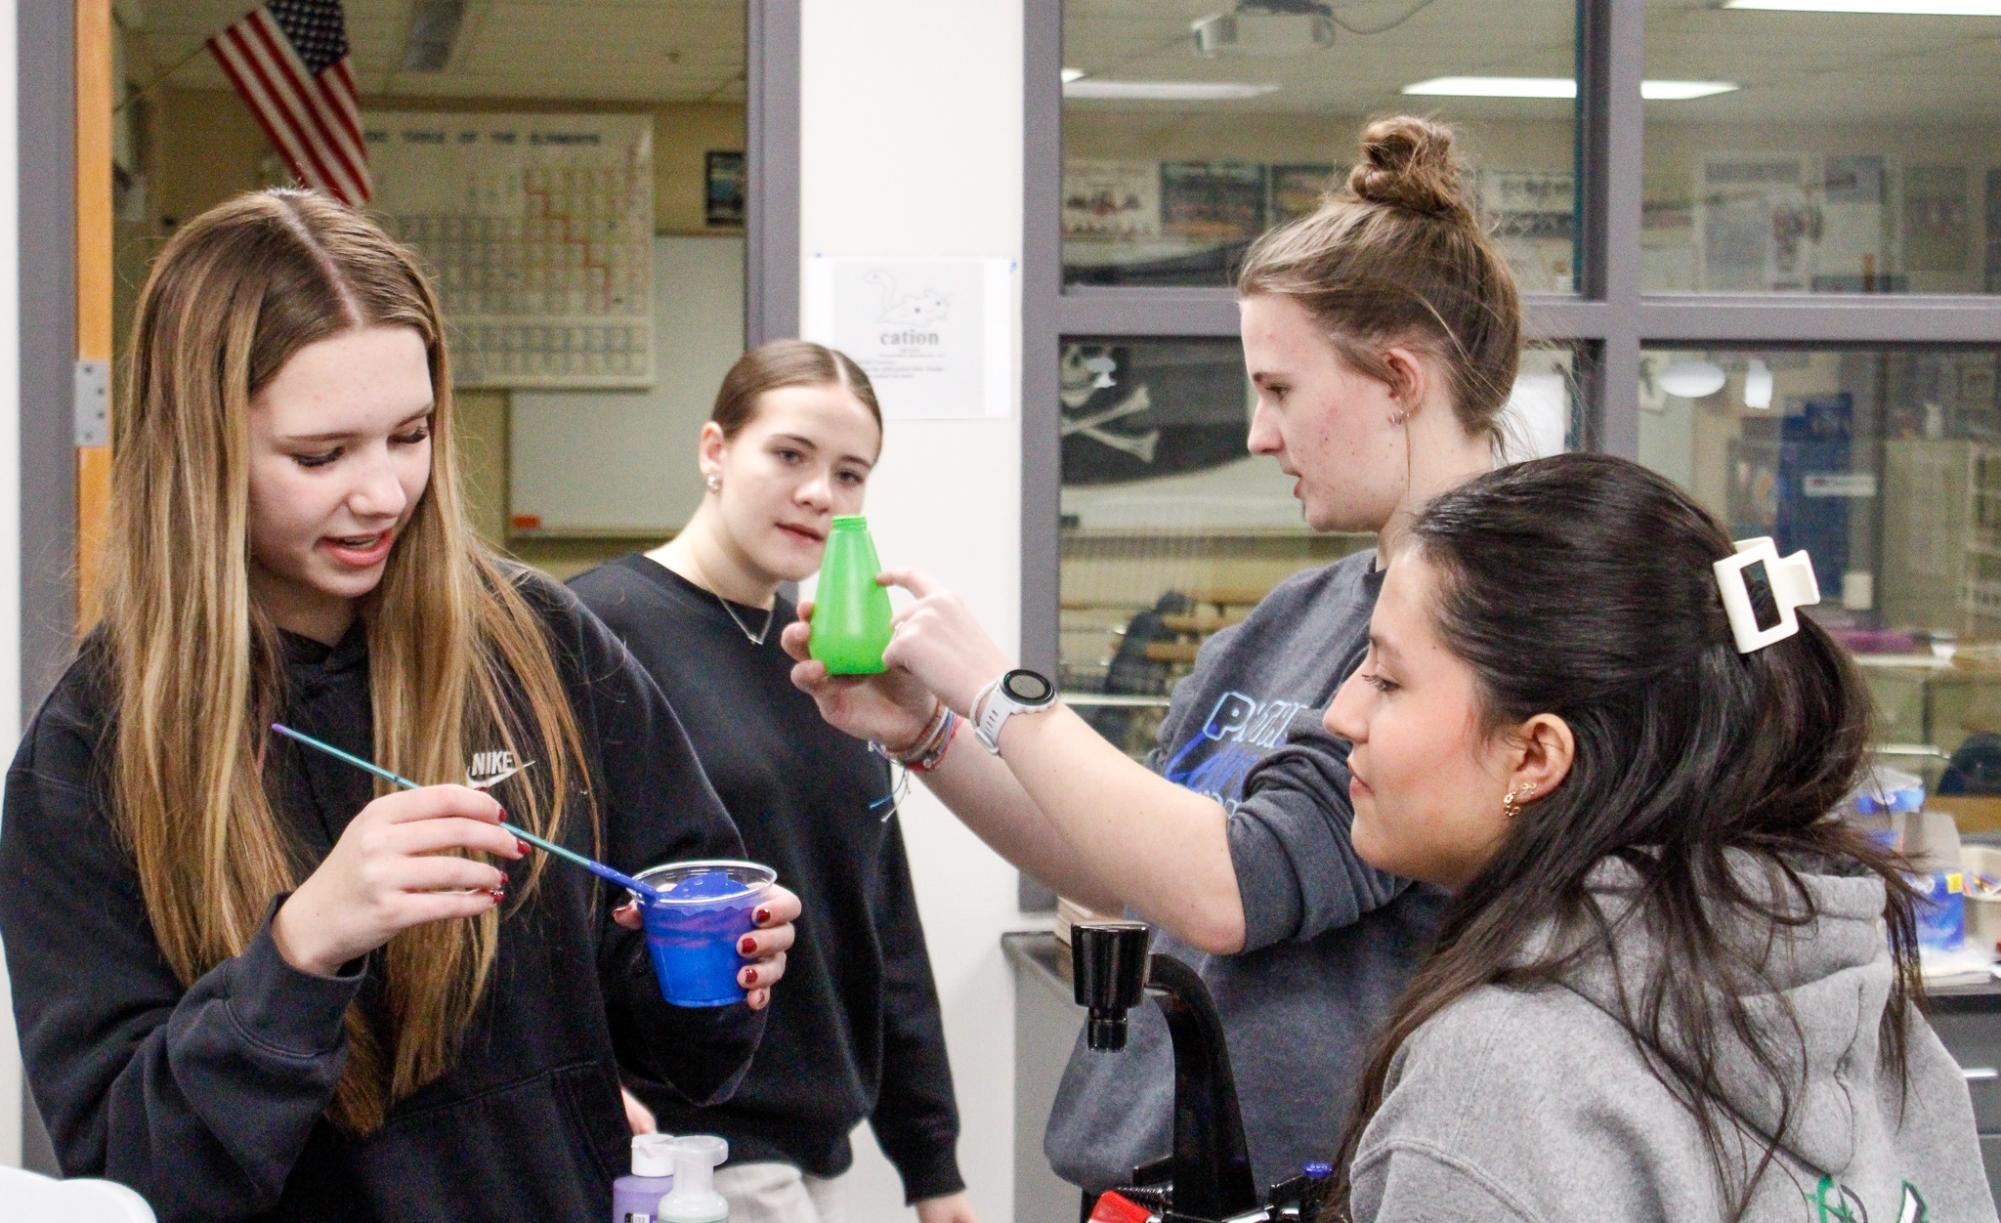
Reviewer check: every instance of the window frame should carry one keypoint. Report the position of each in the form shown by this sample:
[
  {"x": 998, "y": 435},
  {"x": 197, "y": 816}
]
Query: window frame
[{"x": 1608, "y": 320}]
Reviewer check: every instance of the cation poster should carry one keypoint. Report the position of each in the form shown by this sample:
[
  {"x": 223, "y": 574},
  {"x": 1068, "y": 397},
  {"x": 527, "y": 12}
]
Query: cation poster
[{"x": 935, "y": 335}]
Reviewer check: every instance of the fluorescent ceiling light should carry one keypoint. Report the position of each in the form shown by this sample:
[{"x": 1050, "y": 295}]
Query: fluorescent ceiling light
[
  {"x": 1496, "y": 87},
  {"x": 1682, "y": 91},
  {"x": 1558, "y": 87},
  {"x": 1071, "y": 74},
  {"x": 1165, "y": 91},
  {"x": 1889, "y": 8}
]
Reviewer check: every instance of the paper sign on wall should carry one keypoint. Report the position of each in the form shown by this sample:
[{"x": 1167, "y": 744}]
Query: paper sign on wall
[{"x": 935, "y": 335}]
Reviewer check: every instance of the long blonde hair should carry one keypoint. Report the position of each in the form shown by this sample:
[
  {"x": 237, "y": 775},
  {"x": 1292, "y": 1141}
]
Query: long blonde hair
[{"x": 196, "y": 667}]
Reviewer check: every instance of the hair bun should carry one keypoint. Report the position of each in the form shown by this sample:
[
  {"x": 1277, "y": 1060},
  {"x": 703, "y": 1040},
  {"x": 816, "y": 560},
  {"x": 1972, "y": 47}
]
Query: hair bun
[{"x": 1407, "y": 163}]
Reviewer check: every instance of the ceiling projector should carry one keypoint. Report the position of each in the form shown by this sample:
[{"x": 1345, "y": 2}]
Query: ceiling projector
[{"x": 1265, "y": 27}]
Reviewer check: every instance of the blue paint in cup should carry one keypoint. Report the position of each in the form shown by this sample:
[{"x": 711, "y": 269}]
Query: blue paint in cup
[{"x": 693, "y": 929}]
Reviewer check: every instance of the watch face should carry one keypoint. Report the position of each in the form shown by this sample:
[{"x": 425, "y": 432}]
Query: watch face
[{"x": 1027, "y": 687}]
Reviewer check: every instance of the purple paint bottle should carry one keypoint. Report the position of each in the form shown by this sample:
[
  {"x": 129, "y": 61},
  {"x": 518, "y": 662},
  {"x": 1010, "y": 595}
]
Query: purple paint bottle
[{"x": 634, "y": 1198}]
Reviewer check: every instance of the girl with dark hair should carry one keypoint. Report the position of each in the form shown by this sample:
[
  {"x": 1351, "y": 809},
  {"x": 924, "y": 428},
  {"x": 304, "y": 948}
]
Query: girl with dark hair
[
  {"x": 1382, "y": 335},
  {"x": 856, "y": 1034},
  {"x": 251, "y": 981},
  {"x": 1669, "y": 985}
]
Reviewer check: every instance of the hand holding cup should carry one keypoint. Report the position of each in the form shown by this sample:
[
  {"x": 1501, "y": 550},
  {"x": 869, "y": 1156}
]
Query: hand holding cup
[{"x": 710, "y": 951}]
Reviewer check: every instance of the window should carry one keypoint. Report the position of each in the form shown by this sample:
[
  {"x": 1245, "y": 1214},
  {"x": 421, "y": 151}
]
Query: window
[
  {"x": 1885, "y": 465},
  {"x": 1842, "y": 153},
  {"x": 1188, "y": 129}
]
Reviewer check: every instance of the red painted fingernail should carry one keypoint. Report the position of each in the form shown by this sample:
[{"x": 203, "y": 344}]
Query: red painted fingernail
[
  {"x": 748, "y": 946},
  {"x": 750, "y": 976},
  {"x": 521, "y": 847},
  {"x": 763, "y": 916},
  {"x": 498, "y": 894}
]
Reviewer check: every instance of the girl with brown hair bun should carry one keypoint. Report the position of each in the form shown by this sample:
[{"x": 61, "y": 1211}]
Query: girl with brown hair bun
[
  {"x": 1382, "y": 335},
  {"x": 251, "y": 982},
  {"x": 856, "y": 1035}
]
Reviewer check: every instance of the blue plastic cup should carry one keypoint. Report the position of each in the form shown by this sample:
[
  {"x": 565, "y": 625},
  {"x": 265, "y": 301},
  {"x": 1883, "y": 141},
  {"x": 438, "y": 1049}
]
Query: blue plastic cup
[{"x": 693, "y": 929}]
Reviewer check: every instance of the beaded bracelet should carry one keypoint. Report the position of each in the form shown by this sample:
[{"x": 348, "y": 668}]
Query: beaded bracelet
[
  {"x": 925, "y": 742},
  {"x": 929, "y": 760}
]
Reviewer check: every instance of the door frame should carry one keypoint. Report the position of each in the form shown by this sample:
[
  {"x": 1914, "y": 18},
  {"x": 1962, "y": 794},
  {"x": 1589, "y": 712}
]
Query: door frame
[{"x": 45, "y": 45}]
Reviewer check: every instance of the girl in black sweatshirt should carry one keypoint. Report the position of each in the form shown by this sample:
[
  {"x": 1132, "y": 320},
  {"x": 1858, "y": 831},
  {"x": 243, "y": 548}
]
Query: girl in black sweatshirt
[
  {"x": 857, "y": 1035},
  {"x": 252, "y": 983}
]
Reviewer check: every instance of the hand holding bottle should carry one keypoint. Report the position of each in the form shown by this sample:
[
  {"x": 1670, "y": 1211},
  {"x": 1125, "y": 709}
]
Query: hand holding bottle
[
  {"x": 937, "y": 640},
  {"x": 890, "y": 707}
]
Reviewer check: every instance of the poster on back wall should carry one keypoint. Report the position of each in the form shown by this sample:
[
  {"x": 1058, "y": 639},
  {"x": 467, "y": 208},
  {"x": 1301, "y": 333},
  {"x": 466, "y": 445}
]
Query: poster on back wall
[
  {"x": 539, "y": 231},
  {"x": 1212, "y": 201},
  {"x": 1296, "y": 190},
  {"x": 1110, "y": 200},
  {"x": 1937, "y": 225},
  {"x": 1759, "y": 227},
  {"x": 1858, "y": 237}
]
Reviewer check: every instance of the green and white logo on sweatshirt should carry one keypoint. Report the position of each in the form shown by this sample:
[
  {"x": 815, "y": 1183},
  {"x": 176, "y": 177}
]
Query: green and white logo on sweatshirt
[{"x": 1834, "y": 1203}]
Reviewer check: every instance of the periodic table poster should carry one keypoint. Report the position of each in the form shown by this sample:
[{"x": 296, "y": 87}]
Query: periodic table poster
[{"x": 539, "y": 232}]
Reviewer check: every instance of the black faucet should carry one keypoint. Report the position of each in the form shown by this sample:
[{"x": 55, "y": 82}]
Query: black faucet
[{"x": 1209, "y": 1174}]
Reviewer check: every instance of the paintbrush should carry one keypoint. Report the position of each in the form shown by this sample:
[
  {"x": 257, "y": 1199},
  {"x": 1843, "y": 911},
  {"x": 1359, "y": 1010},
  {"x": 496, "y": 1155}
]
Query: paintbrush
[{"x": 592, "y": 865}]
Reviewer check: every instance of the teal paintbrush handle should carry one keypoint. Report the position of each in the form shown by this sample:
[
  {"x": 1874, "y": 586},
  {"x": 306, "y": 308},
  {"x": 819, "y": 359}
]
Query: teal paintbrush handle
[{"x": 590, "y": 864}]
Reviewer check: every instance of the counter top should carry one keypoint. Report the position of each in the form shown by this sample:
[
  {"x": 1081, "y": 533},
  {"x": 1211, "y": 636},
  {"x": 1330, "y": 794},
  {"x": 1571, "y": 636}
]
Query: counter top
[
  {"x": 1976, "y": 998},
  {"x": 1042, "y": 958}
]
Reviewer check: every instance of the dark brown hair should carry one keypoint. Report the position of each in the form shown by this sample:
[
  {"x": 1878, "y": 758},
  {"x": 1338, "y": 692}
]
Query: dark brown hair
[
  {"x": 1400, "y": 258},
  {"x": 787, "y": 363},
  {"x": 1581, "y": 585}
]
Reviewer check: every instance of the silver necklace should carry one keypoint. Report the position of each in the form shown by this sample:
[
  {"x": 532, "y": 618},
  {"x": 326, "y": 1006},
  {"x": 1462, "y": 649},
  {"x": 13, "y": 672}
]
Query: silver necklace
[{"x": 758, "y": 637}]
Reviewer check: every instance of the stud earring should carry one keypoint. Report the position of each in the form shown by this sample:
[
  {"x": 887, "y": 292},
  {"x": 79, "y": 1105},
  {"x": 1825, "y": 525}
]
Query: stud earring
[
  {"x": 714, "y": 481},
  {"x": 1511, "y": 806}
]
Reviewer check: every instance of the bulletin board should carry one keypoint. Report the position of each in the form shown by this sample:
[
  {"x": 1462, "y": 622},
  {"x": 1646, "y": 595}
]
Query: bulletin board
[
  {"x": 538, "y": 231},
  {"x": 622, "y": 462}
]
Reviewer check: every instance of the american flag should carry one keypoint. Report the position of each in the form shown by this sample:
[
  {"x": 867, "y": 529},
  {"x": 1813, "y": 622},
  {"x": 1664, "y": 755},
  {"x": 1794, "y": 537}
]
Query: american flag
[{"x": 289, "y": 61}]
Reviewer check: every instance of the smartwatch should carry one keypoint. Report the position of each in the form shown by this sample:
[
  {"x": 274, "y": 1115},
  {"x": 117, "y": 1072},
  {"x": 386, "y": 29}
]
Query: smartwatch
[{"x": 1017, "y": 691}]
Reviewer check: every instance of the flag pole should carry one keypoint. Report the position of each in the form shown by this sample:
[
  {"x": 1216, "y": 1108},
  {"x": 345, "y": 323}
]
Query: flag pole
[{"x": 151, "y": 85}]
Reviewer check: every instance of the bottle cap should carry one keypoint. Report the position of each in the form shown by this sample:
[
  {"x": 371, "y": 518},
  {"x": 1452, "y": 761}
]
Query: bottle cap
[
  {"x": 694, "y": 1198},
  {"x": 653, "y": 1154}
]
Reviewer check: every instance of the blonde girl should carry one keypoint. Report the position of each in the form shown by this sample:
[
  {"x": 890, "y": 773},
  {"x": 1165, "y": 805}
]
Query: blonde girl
[{"x": 250, "y": 981}]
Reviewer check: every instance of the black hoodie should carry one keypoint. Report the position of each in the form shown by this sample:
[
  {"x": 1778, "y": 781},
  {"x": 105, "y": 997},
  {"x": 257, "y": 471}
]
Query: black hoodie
[
  {"x": 855, "y": 1031},
  {"x": 210, "y": 1099}
]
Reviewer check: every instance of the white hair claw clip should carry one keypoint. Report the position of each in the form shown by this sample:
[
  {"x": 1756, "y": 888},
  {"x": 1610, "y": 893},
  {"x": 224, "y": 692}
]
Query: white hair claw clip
[{"x": 1793, "y": 587}]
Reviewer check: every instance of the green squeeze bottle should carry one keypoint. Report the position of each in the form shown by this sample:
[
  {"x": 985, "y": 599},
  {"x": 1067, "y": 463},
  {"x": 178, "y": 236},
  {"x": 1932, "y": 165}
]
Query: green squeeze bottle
[{"x": 850, "y": 612}]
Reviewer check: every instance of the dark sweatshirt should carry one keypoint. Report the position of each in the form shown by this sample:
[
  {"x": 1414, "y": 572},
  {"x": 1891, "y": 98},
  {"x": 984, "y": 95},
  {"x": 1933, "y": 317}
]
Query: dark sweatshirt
[
  {"x": 209, "y": 1099},
  {"x": 1329, "y": 941},
  {"x": 855, "y": 1030}
]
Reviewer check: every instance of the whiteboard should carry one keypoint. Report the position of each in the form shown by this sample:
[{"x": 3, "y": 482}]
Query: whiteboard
[{"x": 622, "y": 462}]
